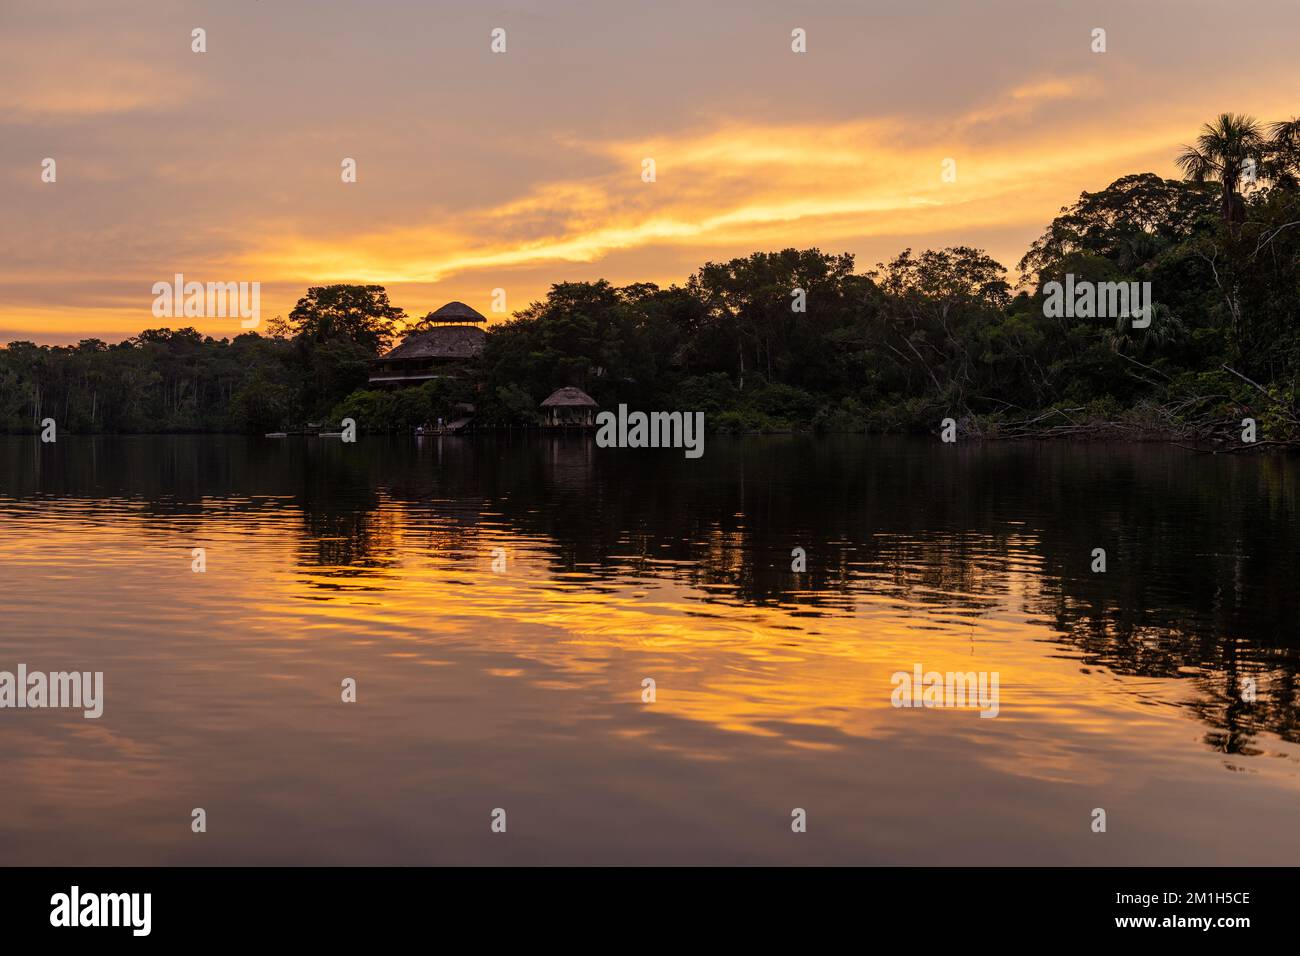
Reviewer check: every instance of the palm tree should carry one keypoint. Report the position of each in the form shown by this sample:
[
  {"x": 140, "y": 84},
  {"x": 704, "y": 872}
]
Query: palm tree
[
  {"x": 1283, "y": 165},
  {"x": 1165, "y": 329},
  {"x": 1223, "y": 151}
]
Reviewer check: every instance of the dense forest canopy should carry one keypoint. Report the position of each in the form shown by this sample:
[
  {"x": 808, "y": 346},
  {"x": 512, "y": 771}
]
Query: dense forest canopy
[{"x": 795, "y": 339}]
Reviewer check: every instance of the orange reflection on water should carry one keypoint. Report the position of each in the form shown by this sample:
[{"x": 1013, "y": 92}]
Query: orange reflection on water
[{"x": 223, "y": 689}]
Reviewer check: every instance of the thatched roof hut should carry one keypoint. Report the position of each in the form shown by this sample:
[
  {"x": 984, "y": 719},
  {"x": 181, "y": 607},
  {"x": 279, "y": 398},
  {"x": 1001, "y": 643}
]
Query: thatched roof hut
[{"x": 570, "y": 406}]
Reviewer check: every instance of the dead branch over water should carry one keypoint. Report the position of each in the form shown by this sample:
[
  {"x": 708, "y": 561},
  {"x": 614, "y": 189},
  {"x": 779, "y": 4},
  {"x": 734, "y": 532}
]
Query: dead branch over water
[{"x": 1196, "y": 424}]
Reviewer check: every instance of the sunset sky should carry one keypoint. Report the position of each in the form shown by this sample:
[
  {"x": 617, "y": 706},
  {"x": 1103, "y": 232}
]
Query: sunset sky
[{"x": 479, "y": 170}]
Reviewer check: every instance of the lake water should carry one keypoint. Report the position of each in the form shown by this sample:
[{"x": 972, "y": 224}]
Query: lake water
[{"x": 520, "y": 687}]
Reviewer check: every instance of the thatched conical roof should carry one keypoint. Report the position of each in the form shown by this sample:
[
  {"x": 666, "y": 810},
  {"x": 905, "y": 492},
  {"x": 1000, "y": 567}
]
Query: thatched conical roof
[
  {"x": 455, "y": 312},
  {"x": 569, "y": 397},
  {"x": 448, "y": 341}
]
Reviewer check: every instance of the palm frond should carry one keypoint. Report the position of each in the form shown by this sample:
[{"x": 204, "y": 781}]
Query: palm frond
[{"x": 1195, "y": 164}]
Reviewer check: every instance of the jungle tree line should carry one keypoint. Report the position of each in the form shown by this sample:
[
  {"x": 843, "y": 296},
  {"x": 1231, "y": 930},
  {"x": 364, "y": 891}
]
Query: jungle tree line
[{"x": 925, "y": 335}]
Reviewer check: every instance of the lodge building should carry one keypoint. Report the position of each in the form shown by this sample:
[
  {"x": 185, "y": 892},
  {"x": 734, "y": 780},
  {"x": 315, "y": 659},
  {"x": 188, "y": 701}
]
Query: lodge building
[{"x": 449, "y": 340}]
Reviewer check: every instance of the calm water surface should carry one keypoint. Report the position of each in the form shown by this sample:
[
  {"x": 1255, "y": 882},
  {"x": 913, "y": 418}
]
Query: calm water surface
[{"x": 522, "y": 689}]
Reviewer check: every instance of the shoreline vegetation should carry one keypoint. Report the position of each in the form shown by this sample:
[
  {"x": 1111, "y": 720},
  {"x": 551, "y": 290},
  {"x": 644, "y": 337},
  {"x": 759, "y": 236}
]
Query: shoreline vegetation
[{"x": 797, "y": 340}]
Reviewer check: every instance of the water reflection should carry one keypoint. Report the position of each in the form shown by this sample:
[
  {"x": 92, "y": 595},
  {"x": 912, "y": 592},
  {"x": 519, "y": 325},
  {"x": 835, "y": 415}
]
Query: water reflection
[{"x": 326, "y": 559}]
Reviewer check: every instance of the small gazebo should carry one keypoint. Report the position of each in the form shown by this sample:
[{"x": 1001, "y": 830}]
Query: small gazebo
[{"x": 570, "y": 407}]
